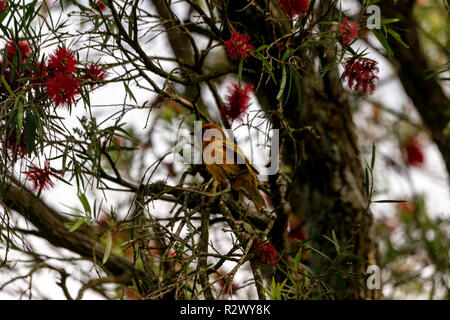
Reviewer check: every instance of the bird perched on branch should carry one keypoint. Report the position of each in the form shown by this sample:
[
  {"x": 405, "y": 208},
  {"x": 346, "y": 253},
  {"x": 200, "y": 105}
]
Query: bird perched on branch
[{"x": 224, "y": 160}]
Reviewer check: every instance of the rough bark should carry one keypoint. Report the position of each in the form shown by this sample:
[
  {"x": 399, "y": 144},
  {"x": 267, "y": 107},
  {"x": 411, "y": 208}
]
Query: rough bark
[{"x": 412, "y": 65}]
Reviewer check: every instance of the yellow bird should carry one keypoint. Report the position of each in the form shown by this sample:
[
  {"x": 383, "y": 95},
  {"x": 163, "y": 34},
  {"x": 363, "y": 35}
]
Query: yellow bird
[{"x": 224, "y": 160}]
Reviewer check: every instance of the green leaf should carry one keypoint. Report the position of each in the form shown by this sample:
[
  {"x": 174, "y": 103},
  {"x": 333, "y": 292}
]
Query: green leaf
[
  {"x": 30, "y": 132},
  {"x": 128, "y": 90},
  {"x": 261, "y": 48},
  {"x": 241, "y": 65},
  {"x": 397, "y": 37},
  {"x": 336, "y": 242},
  {"x": 382, "y": 39},
  {"x": 300, "y": 242},
  {"x": 282, "y": 85},
  {"x": 19, "y": 115},
  {"x": 298, "y": 256},
  {"x": 321, "y": 253},
  {"x": 117, "y": 148},
  {"x": 297, "y": 86},
  {"x": 266, "y": 65},
  {"x": 85, "y": 202},
  {"x": 367, "y": 183},
  {"x": 308, "y": 269},
  {"x": 372, "y": 161},
  {"x": 389, "y": 201},
  {"x": 7, "y": 86},
  {"x": 356, "y": 257},
  {"x": 77, "y": 224},
  {"x": 286, "y": 55},
  {"x": 388, "y": 21},
  {"x": 108, "y": 247}
]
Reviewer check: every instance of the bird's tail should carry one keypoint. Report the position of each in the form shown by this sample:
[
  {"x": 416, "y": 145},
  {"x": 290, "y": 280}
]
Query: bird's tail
[{"x": 255, "y": 196}]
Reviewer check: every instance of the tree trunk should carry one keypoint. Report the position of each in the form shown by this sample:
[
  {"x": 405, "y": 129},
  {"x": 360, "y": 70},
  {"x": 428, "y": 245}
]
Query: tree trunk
[
  {"x": 328, "y": 181},
  {"x": 426, "y": 94}
]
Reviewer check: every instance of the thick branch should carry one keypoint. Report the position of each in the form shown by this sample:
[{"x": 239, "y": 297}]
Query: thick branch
[{"x": 52, "y": 227}]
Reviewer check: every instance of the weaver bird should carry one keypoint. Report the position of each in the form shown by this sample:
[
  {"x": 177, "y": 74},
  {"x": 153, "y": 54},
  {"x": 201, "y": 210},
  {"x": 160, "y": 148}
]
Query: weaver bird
[{"x": 224, "y": 160}]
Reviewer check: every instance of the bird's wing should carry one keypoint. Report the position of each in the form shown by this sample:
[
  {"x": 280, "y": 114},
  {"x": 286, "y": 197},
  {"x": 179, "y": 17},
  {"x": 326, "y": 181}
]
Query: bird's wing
[{"x": 234, "y": 153}]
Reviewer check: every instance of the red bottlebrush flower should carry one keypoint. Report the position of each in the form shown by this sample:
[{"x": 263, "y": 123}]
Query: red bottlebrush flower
[
  {"x": 295, "y": 7},
  {"x": 299, "y": 233},
  {"x": 95, "y": 73},
  {"x": 229, "y": 288},
  {"x": 101, "y": 6},
  {"x": 361, "y": 74},
  {"x": 295, "y": 235},
  {"x": 41, "y": 177},
  {"x": 238, "y": 46},
  {"x": 62, "y": 61},
  {"x": 23, "y": 47},
  {"x": 133, "y": 294},
  {"x": 237, "y": 102},
  {"x": 63, "y": 88},
  {"x": 348, "y": 33},
  {"x": 414, "y": 153},
  {"x": 407, "y": 207},
  {"x": 41, "y": 71},
  {"x": 266, "y": 253},
  {"x": 11, "y": 141},
  {"x": 2, "y": 6}
]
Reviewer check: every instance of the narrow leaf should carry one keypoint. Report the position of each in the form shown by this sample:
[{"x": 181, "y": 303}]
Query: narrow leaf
[
  {"x": 85, "y": 202},
  {"x": 390, "y": 201},
  {"x": 367, "y": 183},
  {"x": 374, "y": 149},
  {"x": 108, "y": 248},
  {"x": 77, "y": 224},
  {"x": 283, "y": 84}
]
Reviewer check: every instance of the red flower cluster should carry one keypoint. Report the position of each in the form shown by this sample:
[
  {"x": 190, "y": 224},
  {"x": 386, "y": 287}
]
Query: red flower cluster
[
  {"x": 266, "y": 253},
  {"x": 414, "y": 153},
  {"x": 62, "y": 84},
  {"x": 101, "y": 6},
  {"x": 238, "y": 45},
  {"x": 14, "y": 66},
  {"x": 407, "y": 207},
  {"x": 295, "y": 7},
  {"x": 295, "y": 235},
  {"x": 228, "y": 287},
  {"x": 2, "y": 6},
  {"x": 62, "y": 61},
  {"x": 22, "y": 48},
  {"x": 62, "y": 88},
  {"x": 95, "y": 73},
  {"x": 237, "y": 102},
  {"x": 133, "y": 294},
  {"x": 41, "y": 177},
  {"x": 361, "y": 74},
  {"x": 14, "y": 142},
  {"x": 59, "y": 74},
  {"x": 348, "y": 33}
]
